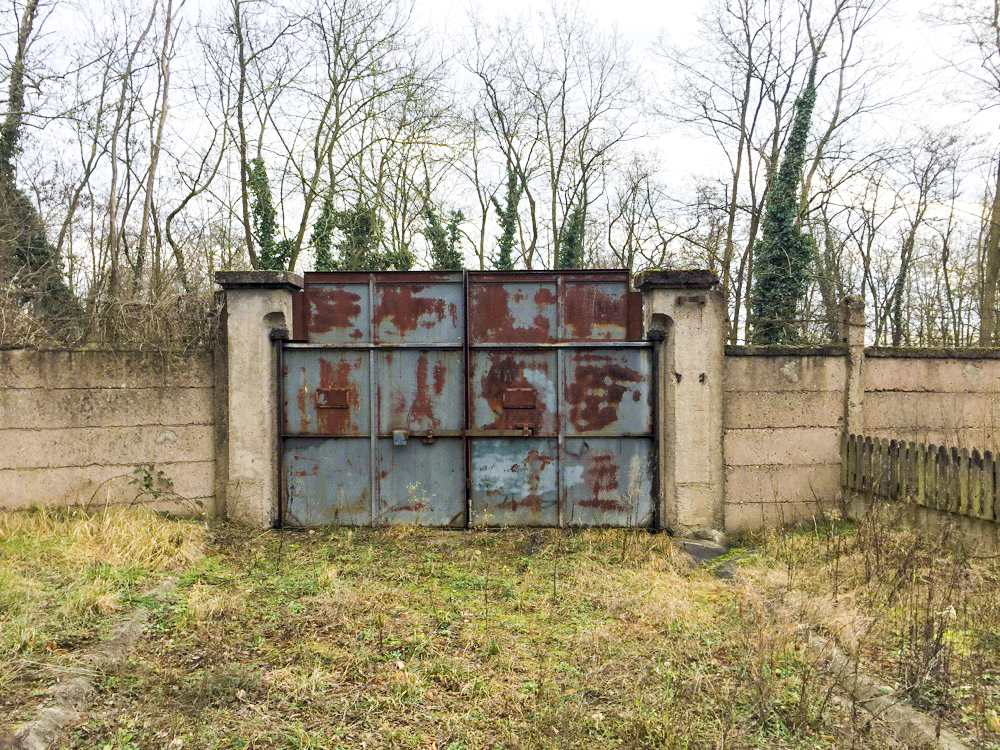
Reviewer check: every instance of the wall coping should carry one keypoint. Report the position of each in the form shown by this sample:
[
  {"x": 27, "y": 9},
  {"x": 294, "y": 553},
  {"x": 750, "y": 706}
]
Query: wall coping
[
  {"x": 909, "y": 352},
  {"x": 259, "y": 280},
  {"x": 786, "y": 351},
  {"x": 694, "y": 278},
  {"x": 103, "y": 350}
]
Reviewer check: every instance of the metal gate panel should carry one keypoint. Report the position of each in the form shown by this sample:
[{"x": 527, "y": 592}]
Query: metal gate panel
[
  {"x": 420, "y": 452},
  {"x": 327, "y": 481},
  {"x": 338, "y": 313},
  {"x": 326, "y": 392},
  {"x": 421, "y": 483},
  {"x": 514, "y": 390},
  {"x": 514, "y": 482},
  {"x": 607, "y": 392},
  {"x": 593, "y": 311},
  {"x": 513, "y": 312},
  {"x": 420, "y": 391},
  {"x": 607, "y": 482},
  {"x": 420, "y": 312}
]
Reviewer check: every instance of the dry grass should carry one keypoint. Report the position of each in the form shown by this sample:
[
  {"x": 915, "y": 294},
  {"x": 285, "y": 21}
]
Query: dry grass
[
  {"x": 413, "y": 638},
  {"x": 65, "y": 574},
  {"x": 915, "y": 606}
]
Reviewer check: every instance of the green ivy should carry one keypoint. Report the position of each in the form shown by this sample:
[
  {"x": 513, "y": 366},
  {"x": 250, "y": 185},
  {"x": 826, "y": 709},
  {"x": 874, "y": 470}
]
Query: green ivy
[
  {"x": 322, "y": 236},
  {"x": 273, "y": 255},
  {"x": 445, "y": 253},
  {"x": 784, "y": 251},
  {"x": 507, "y": 218},
  {"x": 570, "y": 253}
]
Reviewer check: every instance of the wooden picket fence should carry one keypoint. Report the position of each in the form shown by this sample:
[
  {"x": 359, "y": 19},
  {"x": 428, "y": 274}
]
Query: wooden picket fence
[{"x": 948, "y": 479}]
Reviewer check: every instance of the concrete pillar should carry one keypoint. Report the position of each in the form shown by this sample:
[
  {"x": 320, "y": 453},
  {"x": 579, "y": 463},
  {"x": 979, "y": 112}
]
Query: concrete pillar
[
  {"x": 684, "y": 313},
  {"x": 258, "y": 307},
  {"x": 852, "y": 326}
]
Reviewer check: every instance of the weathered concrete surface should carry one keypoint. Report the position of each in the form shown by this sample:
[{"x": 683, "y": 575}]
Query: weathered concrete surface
[
  {"x": 70, "y": 695},
  {"x": 913, "y": 728},
  {"x": 689, "y": 312},
  {"x": 783, "y": 446},
  {"x": 780, "y": 483},
  {"x": 257, "y": 304},
  {"x": 976, "y": 535},
  {"x": 749, "y": 371},
  {"x": 932, "y": 374},
  {"x": 776, "y": 409},
  {"x": 852, "y": 326},
  {"x": 949, "y": 401},
  {"x": 74, "y": 425},
  {"x": 783, "y": 417}
]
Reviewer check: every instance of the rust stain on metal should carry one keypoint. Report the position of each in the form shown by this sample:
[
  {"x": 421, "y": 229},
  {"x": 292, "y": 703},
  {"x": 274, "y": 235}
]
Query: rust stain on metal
[
  {"x": 414, "y": 506},
  {"x": 601, "y": 476},
  {"x": 408, "y": 311},
  {"x": 334, "y": 309},
  {"x": 505, "y": 378},
  {"x": 423, "y": 398},
  {"x": 590, "y": 313},
  {"x": 494, "y": 320},
  {"x": 596, "y": 391},
  {"x": 302, "y": 397},
  {"x": 337, "y": 376},
  {"x": 534, "y": 464}
]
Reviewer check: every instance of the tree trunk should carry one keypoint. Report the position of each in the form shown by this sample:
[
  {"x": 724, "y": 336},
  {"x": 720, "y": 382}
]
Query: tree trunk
[{"x": 987, "y": 303}]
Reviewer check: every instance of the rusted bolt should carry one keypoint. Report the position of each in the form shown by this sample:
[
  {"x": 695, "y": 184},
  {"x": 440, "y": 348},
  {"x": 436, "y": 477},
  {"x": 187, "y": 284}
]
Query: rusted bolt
[{"x": 526, "y": 431}]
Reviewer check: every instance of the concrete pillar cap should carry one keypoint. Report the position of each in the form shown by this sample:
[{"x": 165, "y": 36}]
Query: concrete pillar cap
[
  {"x": 259, "y": 280},
  {"x": 693, "y": 278}
]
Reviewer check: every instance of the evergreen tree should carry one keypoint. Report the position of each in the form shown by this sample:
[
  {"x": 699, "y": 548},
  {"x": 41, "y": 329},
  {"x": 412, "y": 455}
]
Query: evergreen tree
[
  {"x": 507, "y": 218},
  {"x": 784, "y": 251},
  {"x": 570, "y": 253}
]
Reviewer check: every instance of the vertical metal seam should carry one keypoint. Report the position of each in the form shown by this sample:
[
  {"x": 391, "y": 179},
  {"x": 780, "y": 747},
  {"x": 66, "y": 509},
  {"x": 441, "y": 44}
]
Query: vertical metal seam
[
  {"x": 467, "y": 390},
  {"x": 373, "y": 417},
  {"x": 560, "y": 520},
  {"x": 282, "y": 475},
  {"x": 655, "y": 493}
]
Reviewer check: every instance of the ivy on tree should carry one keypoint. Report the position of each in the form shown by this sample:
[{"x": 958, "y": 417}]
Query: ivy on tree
[
  {"x": 28, "y": 261},
  {"x": 273, "y": 255},
  {"x": 322, "y": 236},
  {"x": 507, "y": 218},
  {"x": 445, "y": 254},
  {"x": 570, "y": 253},
  {"x": 783, "y": 253}
]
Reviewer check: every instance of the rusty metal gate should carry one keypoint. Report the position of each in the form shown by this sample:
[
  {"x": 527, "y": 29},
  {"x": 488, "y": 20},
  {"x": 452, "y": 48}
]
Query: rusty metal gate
[{"x": 468, "y": 399}]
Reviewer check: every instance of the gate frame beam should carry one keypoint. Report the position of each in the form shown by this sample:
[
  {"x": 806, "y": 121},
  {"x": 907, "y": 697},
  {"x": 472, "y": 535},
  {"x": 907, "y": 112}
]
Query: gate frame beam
[
  {"x": 257, "y": 306},
  {"x": 684, "y": 313}
]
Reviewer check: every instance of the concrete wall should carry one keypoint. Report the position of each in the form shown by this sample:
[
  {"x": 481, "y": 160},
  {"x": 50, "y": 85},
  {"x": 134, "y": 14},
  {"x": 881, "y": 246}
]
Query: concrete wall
[
  {"x": 73, "y": 423},
  {"x": 749, "y": 439},
  {"x": 783, "y": 414},
  {"x": 944, "y": 397}
]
